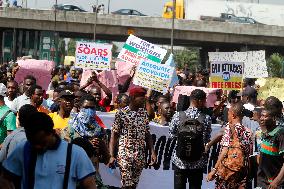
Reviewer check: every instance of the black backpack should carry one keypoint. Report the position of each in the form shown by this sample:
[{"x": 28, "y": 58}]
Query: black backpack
[{"x": 190, "y": 144}]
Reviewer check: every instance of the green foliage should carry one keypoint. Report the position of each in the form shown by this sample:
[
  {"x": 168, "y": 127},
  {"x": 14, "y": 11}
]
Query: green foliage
[
  {"x": 114, "y": 51},
  {"x": 71, "y": 47},
  {"x": 188, "y": 57},
  {"x": 61, "y": 50},
  {"x": 275, "y": 65}
]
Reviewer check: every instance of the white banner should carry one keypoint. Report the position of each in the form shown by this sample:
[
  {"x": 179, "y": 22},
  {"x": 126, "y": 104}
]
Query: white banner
[
  {"x": 162, "y": 175},
  {"x": 254, "y": 61}
]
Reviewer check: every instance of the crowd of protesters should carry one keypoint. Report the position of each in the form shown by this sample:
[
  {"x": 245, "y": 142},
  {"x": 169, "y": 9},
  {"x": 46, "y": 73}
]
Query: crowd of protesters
[{"x": 55, "y": 139}]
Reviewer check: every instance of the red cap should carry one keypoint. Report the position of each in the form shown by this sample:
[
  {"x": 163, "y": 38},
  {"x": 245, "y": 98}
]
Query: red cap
[{"x": 139, "y": 91}]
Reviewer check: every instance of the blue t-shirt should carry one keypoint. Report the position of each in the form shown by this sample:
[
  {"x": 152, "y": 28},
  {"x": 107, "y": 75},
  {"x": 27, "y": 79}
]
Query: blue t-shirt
[{"x": 50, "y": 166}]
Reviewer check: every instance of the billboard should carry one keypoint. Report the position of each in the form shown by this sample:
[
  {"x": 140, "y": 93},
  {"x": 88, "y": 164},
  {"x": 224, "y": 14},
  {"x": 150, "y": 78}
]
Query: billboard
[{"x": 264, "y": 13}]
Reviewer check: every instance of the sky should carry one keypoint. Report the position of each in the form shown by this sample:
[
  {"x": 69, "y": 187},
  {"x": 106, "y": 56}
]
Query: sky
[{"x": 148, "y": 7}]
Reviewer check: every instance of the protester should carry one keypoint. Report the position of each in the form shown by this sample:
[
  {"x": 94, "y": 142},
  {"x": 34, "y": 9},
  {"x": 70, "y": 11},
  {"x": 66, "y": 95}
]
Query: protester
[
  {"x": 130, "y": 131},
  {"x": 233, "y": 97},
  {"x": 18, "y": 135},
  {"x": 7, "y": 117},
  {"x": 189, "y": 158},
  {"x": 24, "y": 98},
  {"x": 166, "y": 114},
  {"x": 271, "y": 167},
  {"x": 274, "y": 104},
  {"x": 102, "y": 105},
  {"x": 231, "y": 169},
  {"x": 36, "y": 94},
  {"x": 84, "y": 123},
  {"x": 12, "y": 92},
  {"x": 44, "y": 147},
  {"x": 121, "y": 101},
  {"x": 249, "y": 98},
  {"x": 66, "y": 103},
  {"x": 78, "y": 96},
  {"x": 93, "y": 152}
]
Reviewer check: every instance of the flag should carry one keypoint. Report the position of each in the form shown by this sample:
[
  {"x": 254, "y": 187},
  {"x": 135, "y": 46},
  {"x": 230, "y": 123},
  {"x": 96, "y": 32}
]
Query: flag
[{"x": 171, "y": 62}]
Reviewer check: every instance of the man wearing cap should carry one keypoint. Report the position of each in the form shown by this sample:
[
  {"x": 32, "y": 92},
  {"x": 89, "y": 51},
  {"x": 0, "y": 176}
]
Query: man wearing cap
[
  {"x": 7, "y": 117},
  {"x": 131, "y": 132},
  {"x": 66, "y": 103}
]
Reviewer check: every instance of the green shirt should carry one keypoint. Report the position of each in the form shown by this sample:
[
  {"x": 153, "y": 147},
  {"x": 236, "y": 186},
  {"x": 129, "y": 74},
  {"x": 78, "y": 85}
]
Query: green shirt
[{"x": 9, "y": 123}]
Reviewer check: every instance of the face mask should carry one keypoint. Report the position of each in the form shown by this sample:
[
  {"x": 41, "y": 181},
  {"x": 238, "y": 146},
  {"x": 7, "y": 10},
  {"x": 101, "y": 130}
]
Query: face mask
[{"x": 87, "y": 114}]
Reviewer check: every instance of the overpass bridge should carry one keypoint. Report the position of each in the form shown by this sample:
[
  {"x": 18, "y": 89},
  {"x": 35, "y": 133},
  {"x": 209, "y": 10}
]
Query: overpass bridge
[{"x": 206, "y": 34}]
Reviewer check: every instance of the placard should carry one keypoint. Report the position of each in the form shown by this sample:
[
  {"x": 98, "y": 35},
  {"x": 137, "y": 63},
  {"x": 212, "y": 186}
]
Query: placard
[
  {"x": 136, "y": 49},
  {"x": 254, "y": 61},
  {"x": 40, "y": 69},
  {"x": 93, "y": 56},
  {"x": 226, "y": 75},
  {"x": 153, "y": 76}
]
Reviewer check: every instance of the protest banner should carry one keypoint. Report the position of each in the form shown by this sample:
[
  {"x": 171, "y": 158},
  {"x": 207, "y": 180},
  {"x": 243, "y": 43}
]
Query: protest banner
[
  {"x": 136, "y": 49},
  {"x": 153, "y": 76},
  {"x": 254, "y": 61},
  {"x": 161, "y": 175},
  {"x": 226, "y": 75},
  {"x": 93, "y": 56},
  {"x": 40, "y": 69},
  {"x": 186, "y": 90}
]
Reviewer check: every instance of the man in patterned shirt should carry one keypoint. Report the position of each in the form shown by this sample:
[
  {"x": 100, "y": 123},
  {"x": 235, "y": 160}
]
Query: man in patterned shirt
[
  {"x": 131, "y": 132},
  {"x": 191, "y": 171}
]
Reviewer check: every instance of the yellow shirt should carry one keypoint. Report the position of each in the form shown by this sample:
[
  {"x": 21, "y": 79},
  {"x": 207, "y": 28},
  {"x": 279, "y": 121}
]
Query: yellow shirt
[{"x": 59, "y": 122}]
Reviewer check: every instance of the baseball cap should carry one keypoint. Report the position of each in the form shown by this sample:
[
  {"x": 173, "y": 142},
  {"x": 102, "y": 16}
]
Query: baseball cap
[
  {"x": 3, "y": 89},
  {"x": 66, "y": 93},
  {"x": 138, "y": 91},
  {"x": 250, "y": 92}
]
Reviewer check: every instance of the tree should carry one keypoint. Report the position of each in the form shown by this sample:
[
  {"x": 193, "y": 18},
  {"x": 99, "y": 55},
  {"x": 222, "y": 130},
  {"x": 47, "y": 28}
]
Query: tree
[
  {"x": 189, "y": 56},
  {"x": 275, "y": 65},
  {"x": 61, "y": 50},
  {"x": 71, "y": 47},
  {"x": 114, "y": 50}
]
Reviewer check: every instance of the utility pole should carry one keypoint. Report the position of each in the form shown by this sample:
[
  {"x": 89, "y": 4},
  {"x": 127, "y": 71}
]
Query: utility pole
[
  {"x": 108, "y": 5},
  {"x": 173, "y": 25},
  {"x": 96, "y": 18}
]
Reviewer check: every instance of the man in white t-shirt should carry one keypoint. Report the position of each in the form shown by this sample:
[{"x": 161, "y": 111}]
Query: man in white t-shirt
[{"x": 12, "y": 93}]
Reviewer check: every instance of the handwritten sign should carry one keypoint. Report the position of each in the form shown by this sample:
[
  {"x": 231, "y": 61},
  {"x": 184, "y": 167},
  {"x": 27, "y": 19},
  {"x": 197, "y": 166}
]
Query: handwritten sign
[
  {"x": 153, "y": 76},
  {"x": 93, "y": 56},
  {"x": 136, "y": 49},
  {"x": 254, "y": 61},
  {"x": 226, "y": 75},
  {"x": 40, "y": 69}
]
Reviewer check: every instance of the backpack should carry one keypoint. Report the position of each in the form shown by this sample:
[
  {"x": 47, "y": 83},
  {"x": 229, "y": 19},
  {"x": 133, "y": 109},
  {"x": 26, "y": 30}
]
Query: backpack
[
  {"x": 190, "y": 144},
  {"x": 234, "y": 165}
]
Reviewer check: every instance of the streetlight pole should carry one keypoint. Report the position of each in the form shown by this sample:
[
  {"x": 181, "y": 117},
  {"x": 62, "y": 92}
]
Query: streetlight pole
[
  {"x": 108, "y": 6},
  {"x": 96, "y": 18},
  {"x": 173, "y": 25}
]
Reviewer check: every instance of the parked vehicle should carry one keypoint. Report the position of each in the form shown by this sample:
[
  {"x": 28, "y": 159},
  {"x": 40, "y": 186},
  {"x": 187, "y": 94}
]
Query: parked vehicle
[
  {"x": 128, "y": 12},
  {"x": 67, "y": 7}
]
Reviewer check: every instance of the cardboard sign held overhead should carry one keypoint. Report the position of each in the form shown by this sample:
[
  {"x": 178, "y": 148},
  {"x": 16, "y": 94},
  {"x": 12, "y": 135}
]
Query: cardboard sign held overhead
[
  {"x": 40, "y": 69},
  {"x": 226, "y": 75},
  {"x": 93, "y": 56},
  {"x": 136, "y": 49},
  {"x": 153, "y": 76}
]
